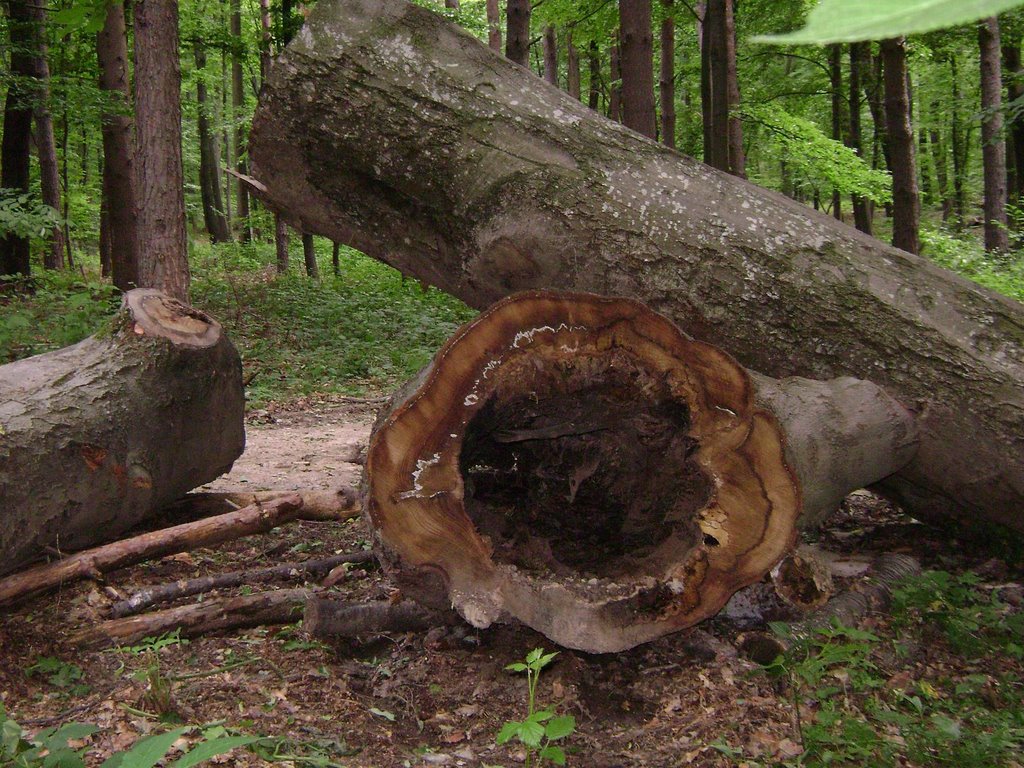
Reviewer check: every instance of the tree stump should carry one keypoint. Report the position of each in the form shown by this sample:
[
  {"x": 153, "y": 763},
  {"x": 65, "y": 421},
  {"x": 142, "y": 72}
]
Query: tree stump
[
  {"x": 579, "y": 464},
  {"x": 97, "y": 436}
]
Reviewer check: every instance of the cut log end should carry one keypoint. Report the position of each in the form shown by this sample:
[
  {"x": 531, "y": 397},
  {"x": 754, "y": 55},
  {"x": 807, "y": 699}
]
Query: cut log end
[
  {"x": 157, "y": 314},
  {"x": 577, "y": 463}
]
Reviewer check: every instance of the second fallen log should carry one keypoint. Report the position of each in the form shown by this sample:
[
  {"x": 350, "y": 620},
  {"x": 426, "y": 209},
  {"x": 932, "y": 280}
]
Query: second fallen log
[{"x": 578, "y": 464}]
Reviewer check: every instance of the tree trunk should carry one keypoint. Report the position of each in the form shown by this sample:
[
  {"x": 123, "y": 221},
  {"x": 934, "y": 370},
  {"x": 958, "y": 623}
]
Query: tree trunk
[
  {"x": 116, "y": 127},
  {"x": 958, "y": 142},
  {"x": 309, "y": 256},
  {"x": 938, "y": 150},
  {"x": 737, "y": 156},
  {"x": 906, "y": 205},
  {"x": 152, "y": 408},
  {"x": 494, "y": 25},
  {"x": 550, "y": 55},
  {"x": 1013, "y": 72},
  {"x": 517, "y": 35},
  {"x": 237, "y": 109},
  {"x": 15, "y": 161},
  {"x": 281, "y": 243},
  {"x": 572, "y": 85},
  {"x": 594, "y": 65},
  {"x": 579, "y": 203},
  {"x": 858, "y": 58},
  {"x": 46, "y": 146},
  {"x": 615, "y": 86},
  {"x": 578, "y": 463},
  {"x": 161, "y": 237},
  {"x": 993, "y": 145},
  {"x": 209, "y": 167},
  {"x": 715, "y": 86},
  {"x": 336, "y": 258},
  {"x": 835, "y": 68},
  {"x": 667, "y": 77},
  {"x": 637, "y": 63},
  {"x": 266, "y": 40}
]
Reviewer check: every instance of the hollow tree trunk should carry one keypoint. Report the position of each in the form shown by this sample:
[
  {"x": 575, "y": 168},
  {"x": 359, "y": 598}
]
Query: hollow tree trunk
[
  {"x": 576, "y": 462},
  {"x": 149, "y": 409},
  {"x": 509, "y": 187}
]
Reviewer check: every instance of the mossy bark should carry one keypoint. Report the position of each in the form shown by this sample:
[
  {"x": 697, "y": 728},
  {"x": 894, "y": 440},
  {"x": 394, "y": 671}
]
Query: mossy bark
[{"x": 385, "y": 127}]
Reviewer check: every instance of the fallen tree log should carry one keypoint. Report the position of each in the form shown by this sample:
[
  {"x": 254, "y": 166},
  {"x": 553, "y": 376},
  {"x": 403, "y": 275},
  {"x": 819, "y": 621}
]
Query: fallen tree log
[
  {"x": 385, "y": 127},
  {"x": 93, "y": 563},
  {"x": 282, "y": 606},
  {"x": 329, "y": 618},
  {"x": 577, "y": 463},
  {"x": 98, "y": 436},
  {"x": 339, "y": 504}
]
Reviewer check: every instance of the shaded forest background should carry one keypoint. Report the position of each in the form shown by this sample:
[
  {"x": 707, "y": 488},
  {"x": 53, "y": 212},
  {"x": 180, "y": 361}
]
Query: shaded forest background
[{"x": 918, "y": 141}]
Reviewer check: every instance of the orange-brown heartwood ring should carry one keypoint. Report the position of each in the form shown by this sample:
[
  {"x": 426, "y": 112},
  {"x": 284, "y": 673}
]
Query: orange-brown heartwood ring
[{"x": 539, "y": 346}]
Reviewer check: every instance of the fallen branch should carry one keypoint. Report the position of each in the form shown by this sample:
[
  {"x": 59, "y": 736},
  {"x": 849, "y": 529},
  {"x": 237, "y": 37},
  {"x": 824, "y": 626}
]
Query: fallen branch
[
  {"x": 281, "y": 607},
  {"x": 340, "y": 504},
  {"x": 326, "y": 618},
  {"x": 93, "y": 563},
  {"x": 165, "y": 593},
  {"x": 872, "y": 595}
]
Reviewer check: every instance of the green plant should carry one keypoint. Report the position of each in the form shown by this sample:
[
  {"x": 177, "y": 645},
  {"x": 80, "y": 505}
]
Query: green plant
[
  {"x": 159, "y": 695},
  {"x": 540, "y": 727},
  {"x": 22, "y": 215},
  {"x": 53, "y": 748},
  {"x": 59, "y": 674}
]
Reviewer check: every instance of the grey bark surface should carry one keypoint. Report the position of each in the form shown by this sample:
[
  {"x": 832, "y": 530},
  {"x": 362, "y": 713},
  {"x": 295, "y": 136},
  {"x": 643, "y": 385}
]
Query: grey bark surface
[
  {"x": 496, "y": 182},
  {"x": 993, "y": 144},
  {"x": 102, "y": 434}
]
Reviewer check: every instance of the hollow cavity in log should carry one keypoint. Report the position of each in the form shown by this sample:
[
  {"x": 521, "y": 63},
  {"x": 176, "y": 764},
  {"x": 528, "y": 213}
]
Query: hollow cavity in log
[{"x": 579, "y": 464}]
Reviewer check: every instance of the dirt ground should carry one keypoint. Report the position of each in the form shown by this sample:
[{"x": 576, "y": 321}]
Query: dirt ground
[{"x": 432, "y": 698}]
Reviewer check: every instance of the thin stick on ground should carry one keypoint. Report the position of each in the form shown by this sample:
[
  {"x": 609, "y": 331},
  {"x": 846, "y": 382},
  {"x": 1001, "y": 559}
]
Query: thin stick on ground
[
  {"x": 165, "y": 593},
  {"x": 93, "y": 563},
  {"x": 281, "y": 607}
]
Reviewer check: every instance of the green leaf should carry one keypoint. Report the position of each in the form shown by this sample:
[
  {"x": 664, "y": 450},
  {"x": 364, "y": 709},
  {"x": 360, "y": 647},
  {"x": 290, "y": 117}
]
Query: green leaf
[
  {"x": 560, "y": 727},
  {"x": 508, "y": 730},
  {"x": 146, "y": 752},
  {"x": 848, "y": 21},
  {"x": 63, "y": 758},
  {"x": 555, "y": 754},
  {"x": 61, "y": 736},
  {"x": 531, "y": 733},
  {"x": 516, "y": 667},
  {"x": 382, "y": 713},
  {"x": 207, "y": 749}
]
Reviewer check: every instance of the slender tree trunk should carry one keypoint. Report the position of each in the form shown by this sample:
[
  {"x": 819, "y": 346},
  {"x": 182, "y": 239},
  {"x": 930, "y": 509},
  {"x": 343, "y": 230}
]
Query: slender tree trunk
[
  {"x": 452, "y": 4},
  {"x": 615, "y": 87},
  {"x": 116, "y": 128},
  {"x": 336, "y": 258},
  {"x": 861, "y": 206},
  {"x": 957, "y": 141},
  {"x": 993, "y": 146},
  {"x": 65, "y": 181},
  {"x": 162, "y": 239},
  {"x": 494, "y": 25},
  {"x": 309, "y": 255},
  {"x": 17, "y": 135},
  {"x": 667, "y": 77},
  {"x": 594, "y": 64},
  {"x": 266, "y": 39},
  {"x": 550, "y": 55},
  {"x": 637, "y": 67},
  {"x": 46, "y": 147},
  {"x": 835, "y": 68},
  {"x": 715, "y": 85},
  {"x": 281, "y": 243},
  {"x": 929, "y": 191},
  {"x": 873, "y": 91},
  {"x": 938, "y": 150},
  {"x": 237, "y": 104},
  {"x": 573, "y": 66},
  {"x": 517, "y": 35},
  {"x": 737, "y": 156},
  {"x": 209, "y": 168},
  {"x": 906, "y": 203},
  {"x": 1014, "y": 125}
]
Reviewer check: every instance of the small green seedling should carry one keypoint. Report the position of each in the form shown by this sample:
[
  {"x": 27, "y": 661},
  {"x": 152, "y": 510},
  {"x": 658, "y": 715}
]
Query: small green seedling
[{"x": 541, "y": 726}]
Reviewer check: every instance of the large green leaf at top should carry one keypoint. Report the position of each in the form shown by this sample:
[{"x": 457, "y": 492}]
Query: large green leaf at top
[{"x": 848, "y": 21}]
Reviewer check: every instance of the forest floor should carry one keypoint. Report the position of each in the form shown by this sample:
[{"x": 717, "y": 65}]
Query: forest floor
[{"x": 925, "y": 688}]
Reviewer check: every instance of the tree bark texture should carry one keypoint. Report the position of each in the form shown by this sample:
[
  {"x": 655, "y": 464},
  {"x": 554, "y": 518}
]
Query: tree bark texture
[
  {"x": 46, "y": 146},
  {"x": 578, "y": 463},
  {"x": 550, "y": 55},
  {"x": 17, "y": 133},
  {"x": 854, "y": 140},
  {"x": 237, "y": 104},
  {"x": 309, "y": 256},
  {"x": 161, "y": 237},
  {"x": 1013, "y": 74},
  {"x": 737, "y": 155},
  {"x": 615, "y": 80},
  {"x": 637, "y": 63},
  {"x": 517, "y": 35},
  {"x": 594, "y": 67},
  {"x": 116, "y": 127},
  {"x": 511, "y": 186},
  {"x": 993, "y": 144},
  {"x": 906, "y": 203},
  {"x": 209, "y": 166},
  {"x": 102, "y": 434},
  {"x": 667, "y": 77},
  {"x": 572, "y": 85}
]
